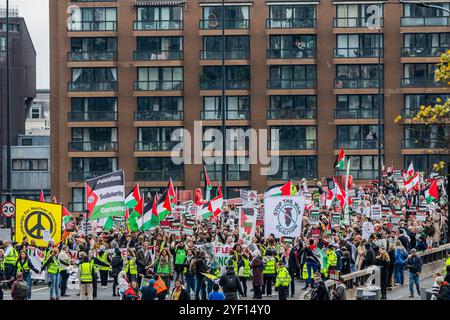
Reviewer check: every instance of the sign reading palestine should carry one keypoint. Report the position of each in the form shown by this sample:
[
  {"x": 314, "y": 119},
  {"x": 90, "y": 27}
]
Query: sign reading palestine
[
  {"x": 105, "y": 196},
  {"x": 34, "y": 219},
  {"x": 283, "y": 216}
]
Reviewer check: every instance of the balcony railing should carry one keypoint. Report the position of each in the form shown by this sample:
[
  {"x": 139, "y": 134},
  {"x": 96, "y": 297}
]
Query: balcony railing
[
  {"x": 80, "y": 176},
  {"x": 93, "y": 146},
  {"x": 92, "y": 56},
  {"x": 77, "y": 206},
  {"x": 159, "y": 175},
  {"x": 293, "y": 175},
  {"x": 217, "y": 24},
  {"x": 243, "y": 84},
  {"x": 157, "y": 55},
  {"x": 421, "y": 83},
  {"x": 79, "y": 26},
  {"x": 361, "y": 174},
  {"x": 410, "y": 112},
  {"x": 158, "y": 85},
  {"x": 423, "y": 51},
  {"x": 357, "y": 83},
  {"x": 158, "y": 25},
  {"x": 92, "y": 86},
  {"x": 291, "y": 53},
  {"x": 232, "y": 175},
  {"x": 158, "y": 116},
  {"x": 290, "y": 23},
  {"x": 354, "y": 23},
  {"x": 293, "y": 145},
  {"x": 229, "y": 54},
  {"x": 357, "y": 113},
  {"x": 155, "y": 145},
  {"x": 356, "y": 144},
  {"x": 273, "y": 114},
  {"x": 92, "y": 116},
  {"x": 423, "y": 143},
  {"x": 425, "y": 21},
  {"x": 358, "y": 52},
  {"x": 230, "y": 115},
  {"x": 292, "y": 84}
]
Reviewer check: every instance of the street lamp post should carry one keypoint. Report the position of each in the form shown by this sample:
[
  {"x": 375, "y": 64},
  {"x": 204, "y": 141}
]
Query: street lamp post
[
  {"x": 380, "y": 174},
  {"x": 224, "y": 108}
]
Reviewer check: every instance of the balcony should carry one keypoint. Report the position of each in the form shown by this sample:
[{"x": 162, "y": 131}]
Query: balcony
[
  {"x": 282, "y": 114},
  {"x": 80, "y": 26},
  {"x": 291, "y": 23},
  {"x": 293, "y": 175},
  {"x": 357, "y": 83},
  {"x": 163, "y": 85},
  {"x": 159, "y": 175},
  {"x": 92, "y": 86},
  {"x": 155, "y": 146},
  {"x": 230, "y": 24},
  {"x": 243, "y": 84},
  {"x": 93, "y": 146},
  {"x": 292, "y": 84},
  {"x": 157, "y": 55},
  {"x": 421, "y": 83},
  {"x": 231, "y": 175},
  {"x": 420, "y": 52},
  {"x": 356, "y": 144},
  {"x": 361, "y": 174},
  {"x": 424, "y": 143},
  {"x": 425, "y": 21},
  {"x": 358, "y": 113},
  {"x": 230, "y": 115},
  {"x": 358, "y": 52},
  {"x": 409, "y": 113},
  {"x": 158, "y": 116},
  {"x": 354, "y": 23},
  {"x": 158, "y": 25},
  {"x": 291, "y": 53},
  {"x": 229, "y": 54},
  {"x": 79, "y": 176},
  {"x": 77, "y": 206},
  {"x": 293, "y": 145},
  {"x": 92, "y": 56},
  {"x": 92, "y": 116}
]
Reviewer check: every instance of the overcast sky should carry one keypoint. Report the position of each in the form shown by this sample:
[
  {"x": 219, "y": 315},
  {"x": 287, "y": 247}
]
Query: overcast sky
[{"x": 36, "y": 16}]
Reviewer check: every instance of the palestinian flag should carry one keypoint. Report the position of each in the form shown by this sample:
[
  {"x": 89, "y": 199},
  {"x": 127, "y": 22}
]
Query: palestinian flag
[
  {"x": 432, "y": 193},
  {"x": 205, "y": 211},
  {"x": 390, "y": 169},
  {"x": 340, "y": 195},
  {"x": 150, "y": 219},
  {"x": 66, "y": 216},
  {"x": 340, "y": 161},
  {"x": 164, "y": 208},
  {"x": 136, "y": 214},
  {"x": 412, "y": 182},
  {"x": 41, "y": 196},
  {"x": 172, "y": 193},
  {"x": 279, "y": 190},
  {"x": 106, "y": 223},
  {"x": 217, "y": 203},
  {"x": 322, "y": 257},
  {"x": 208, "y": 185},
  {"x": 132, "y": 198}
]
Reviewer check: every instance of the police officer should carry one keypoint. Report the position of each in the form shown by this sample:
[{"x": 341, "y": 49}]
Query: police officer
[
  {"x": 282, "y": 281},
  {"x": 104, "y": 268},
  {"x": 10, "y": 260},
  {"x": 96, "y": 264},
  {"x": 86, "y": 270},
  {"x": 53, "y": 271},
  {"x": 269, "y": 272},
  {"x": 447, "y": 262},
  {"x": 244, "y": 272}
]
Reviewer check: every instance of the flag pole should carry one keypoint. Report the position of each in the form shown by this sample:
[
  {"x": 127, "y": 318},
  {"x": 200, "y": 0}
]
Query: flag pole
[{"x": 347, "y": 210}]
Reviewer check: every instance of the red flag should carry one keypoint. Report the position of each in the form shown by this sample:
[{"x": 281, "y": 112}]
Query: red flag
[{"x": 42, "y": 197}]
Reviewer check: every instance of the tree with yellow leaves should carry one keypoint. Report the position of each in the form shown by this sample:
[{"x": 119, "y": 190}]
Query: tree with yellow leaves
[{"x": 436, "y": 114}]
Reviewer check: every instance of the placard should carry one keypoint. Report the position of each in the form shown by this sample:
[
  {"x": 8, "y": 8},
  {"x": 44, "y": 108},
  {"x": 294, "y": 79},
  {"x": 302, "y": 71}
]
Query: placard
[
  {"x": 283, "y": 216},
  {"x": 376, "y": 212}
]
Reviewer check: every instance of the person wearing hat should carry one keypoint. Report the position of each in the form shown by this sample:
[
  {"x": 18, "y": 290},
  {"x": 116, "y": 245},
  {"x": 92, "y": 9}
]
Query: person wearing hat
[
  {"x": 283, "y": 280},
  {"x": 104, "y": 268},
  {"x": 320, "y": 290},
  {"x": 149, "y": 292}
]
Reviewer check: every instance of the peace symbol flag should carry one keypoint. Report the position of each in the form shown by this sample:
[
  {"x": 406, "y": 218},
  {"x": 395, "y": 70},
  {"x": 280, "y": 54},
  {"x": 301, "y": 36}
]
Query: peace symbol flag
[{"x": 38, "y": 221}]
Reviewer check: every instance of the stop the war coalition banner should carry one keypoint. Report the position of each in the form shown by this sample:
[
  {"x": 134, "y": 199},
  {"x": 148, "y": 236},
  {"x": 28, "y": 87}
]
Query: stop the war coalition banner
[
  {"x": 105, "y": 196},
  {"x": 283, "y": 216}
]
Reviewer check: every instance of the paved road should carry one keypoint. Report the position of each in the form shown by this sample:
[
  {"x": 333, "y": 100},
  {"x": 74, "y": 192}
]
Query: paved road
[{"x": 41, "y": 292}]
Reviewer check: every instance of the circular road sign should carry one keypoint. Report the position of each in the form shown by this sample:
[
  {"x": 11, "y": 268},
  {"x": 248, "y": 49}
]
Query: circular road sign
[{"x": 8, "y": 209}]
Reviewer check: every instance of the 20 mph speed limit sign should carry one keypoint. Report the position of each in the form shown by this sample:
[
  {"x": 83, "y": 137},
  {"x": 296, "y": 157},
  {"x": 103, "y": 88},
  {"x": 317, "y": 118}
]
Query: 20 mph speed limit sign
[{"x": 8, "y": 209}]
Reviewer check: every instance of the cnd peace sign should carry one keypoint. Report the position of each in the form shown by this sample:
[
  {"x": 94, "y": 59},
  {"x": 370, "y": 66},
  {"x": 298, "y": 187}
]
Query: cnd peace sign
[{"x": 36, "y": 223}]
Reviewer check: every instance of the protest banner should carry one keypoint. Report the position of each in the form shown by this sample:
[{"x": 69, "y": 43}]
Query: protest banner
[
  {"x": 283, "y": 216},
  {"x": 376, "y": 212},
  {"x": 222, "y": 255},
  {"x": 247, "y": 223},
  {"x": 314, "y": 216},
  {"x": 35, "y": 220},
  {"x": 335, "y": 219}
]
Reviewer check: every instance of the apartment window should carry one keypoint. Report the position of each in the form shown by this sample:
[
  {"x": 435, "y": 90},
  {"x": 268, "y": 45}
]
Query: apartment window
[
  {"x": 156, "y": 74},
  {"x": 164, "y": 104},
  {"x": 292, "y": 76},
  {"x": 292, "y": 46},
  {"x": 364, "y": 162},
  {"x": 415, "y": 11},
  {"x": 358, "y": 71},
  {"x": 236, "y": 17},
  {"x": 237, "y": 77},
  {"x": 358, "y": 133},
  {"x": 158, "y": 169},
  {"x": 93, "y": 44},
  {"x": 238, "y": 168},
  {"x": 2, "y": 44},
  {"x": 27, "y": 142},
  {"x": 413, "y": 102},
  {"x": 80, "y": 75},
  {"x": 237, "y": 107},
  {"x": 419, "y": 70},
  {"x": 292, "y": 107},
  {"x": 358, "y": 45},
  {"x": 426, "y": 40},
  {"x": 292, "y": 16},
  {"x": 156, "y": 134},
  {"x": 78, "y": 199},
  {"x": 436, "y": 132},
  {"x": 236, "y": 47},
  {"x": 296, "y": 167},
  {"x": 13, "y": 27},
  {"x": 30, "y": 165},
  {"x": 294, "y": 137},
  {"x": 94, "y": 164},
  {"x": 93, "y": 19},
  {"x": 94, "y": 134},
  {"x": 356, "y": 101},
  {"x": 35, "y": 113},
  {"x": 96, "y": 105},
  {"x": 154, "y": 13},
  {"x": 425, "y": 162},
  {"x": 348, "y": 13},
  {"x": 165, "y": 44}
]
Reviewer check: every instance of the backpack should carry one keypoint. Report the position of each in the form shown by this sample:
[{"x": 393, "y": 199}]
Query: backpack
[
  {"x": 230, "y": 282},
  {"x": 22, "y": 290},
  {"x": 193, "y": 266}
]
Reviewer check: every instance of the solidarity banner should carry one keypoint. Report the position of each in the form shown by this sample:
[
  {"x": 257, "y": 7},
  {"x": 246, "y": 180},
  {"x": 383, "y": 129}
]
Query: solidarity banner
[
  {"x": 38, "y": 221},
  {"x": 283, "y": 216},
  {"x": 247, "y": 223},
  {"x": 105, "y": 196}
]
